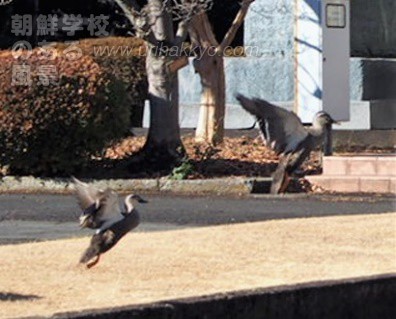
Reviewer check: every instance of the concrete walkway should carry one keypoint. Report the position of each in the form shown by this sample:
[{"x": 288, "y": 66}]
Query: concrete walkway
[{"x": 45, "y": 217}]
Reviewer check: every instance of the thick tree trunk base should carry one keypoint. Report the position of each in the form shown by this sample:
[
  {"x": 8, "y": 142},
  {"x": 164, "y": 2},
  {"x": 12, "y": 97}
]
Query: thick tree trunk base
[
  {"x": 157, "y": 157},
  {"x": 160, "y": 153}
]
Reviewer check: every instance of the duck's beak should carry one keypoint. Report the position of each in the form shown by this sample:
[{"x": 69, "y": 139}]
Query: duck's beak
[
  {"x": 332, "y": 121},
  {"x": 139, "y": 199}
]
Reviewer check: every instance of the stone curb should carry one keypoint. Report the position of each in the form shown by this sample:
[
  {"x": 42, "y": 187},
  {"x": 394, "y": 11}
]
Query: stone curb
[
  {"x": 366, "y": 298},
  {"x": 219, "y": 186}
]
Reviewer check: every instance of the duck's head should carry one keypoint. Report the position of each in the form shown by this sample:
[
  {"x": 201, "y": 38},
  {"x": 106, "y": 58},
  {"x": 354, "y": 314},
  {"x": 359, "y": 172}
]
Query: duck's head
[
  {"x": 131, "y": 201},
  {"x": 323, "y": 119}
]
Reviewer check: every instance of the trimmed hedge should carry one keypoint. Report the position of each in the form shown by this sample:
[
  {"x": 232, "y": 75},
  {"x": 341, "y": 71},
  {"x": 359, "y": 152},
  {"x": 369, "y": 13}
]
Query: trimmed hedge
[
  {"x": 124, "y": 58},
  {"x": 56, "y": 129}
]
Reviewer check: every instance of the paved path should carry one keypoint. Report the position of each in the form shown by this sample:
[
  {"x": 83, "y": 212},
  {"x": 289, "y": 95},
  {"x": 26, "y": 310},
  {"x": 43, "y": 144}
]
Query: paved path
[{"x": 41, "y": 217}]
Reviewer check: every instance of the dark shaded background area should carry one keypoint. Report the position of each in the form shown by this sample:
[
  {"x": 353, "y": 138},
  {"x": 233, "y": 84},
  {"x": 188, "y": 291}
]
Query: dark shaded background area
[
  {"x": 373, "y": 26},
  {"x": 373, "y": 23},
  {"x": 221, "y": 15},
  {"x": 118, "y": 23},
  {"x": 379, "y": 80}
]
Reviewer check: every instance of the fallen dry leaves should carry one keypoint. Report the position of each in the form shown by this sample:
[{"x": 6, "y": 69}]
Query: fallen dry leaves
[{"x": 236, "y": 156}]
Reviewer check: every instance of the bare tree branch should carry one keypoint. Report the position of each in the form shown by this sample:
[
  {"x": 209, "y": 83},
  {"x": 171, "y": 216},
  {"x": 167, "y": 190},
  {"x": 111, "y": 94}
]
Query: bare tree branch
[
  {"x": 201, "y": 32},
  {"x": 153, "y": 22},
  {"x": 186, "y": 9},
  {"x": 129, "y": 9},
  {"x": 159, "y": 20},
  {"x": 138, "y": 18},
  {"x": 240, "y": 17},
  {"x": 182, "y": 32},
  {"x": 178, "y": 64}
]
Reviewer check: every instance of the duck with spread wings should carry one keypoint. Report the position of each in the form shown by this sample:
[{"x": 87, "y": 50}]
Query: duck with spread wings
[
  {"x": 101, "y": 211},
  {"x": 284, "y": 132}
]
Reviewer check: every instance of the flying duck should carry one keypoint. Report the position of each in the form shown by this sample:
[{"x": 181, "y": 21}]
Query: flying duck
[
  {"x": 284, "y": 132},
  {"x": 101, "y": 211}
]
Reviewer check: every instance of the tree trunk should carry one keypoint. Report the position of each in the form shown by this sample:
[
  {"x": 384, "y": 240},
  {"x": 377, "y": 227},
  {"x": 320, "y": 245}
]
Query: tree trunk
[
  {"x": 163, "y": 143},
  {"x": 211, "y": 117},
  {"x": 210, "y": 66}
]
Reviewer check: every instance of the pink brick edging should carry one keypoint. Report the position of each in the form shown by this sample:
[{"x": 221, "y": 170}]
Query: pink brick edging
[
  {"x": 360, "y": 165},
  {"x": 354, "y": 184},
  {"x": 355, "y": 174}
]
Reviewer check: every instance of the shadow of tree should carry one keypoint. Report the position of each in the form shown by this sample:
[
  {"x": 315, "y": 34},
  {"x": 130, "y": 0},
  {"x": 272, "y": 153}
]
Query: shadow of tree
[
  {"x": 243, "y": 156},
  {"x": 127, "y": 168},
  {"x": 10, "y": 296},
  {"x": 232, "y": 167},
  {"x": 210, "y": 168}
]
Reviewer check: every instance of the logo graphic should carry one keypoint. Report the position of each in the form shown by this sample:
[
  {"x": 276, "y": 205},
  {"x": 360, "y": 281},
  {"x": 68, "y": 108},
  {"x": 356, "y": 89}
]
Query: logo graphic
[
  {"x": 5, "y": 2},
  {"x": 21, "y": 49}
]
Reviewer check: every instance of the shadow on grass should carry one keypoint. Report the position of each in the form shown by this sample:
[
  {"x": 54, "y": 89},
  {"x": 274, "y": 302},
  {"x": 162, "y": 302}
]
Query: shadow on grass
[{"x": 10, "y": 296}]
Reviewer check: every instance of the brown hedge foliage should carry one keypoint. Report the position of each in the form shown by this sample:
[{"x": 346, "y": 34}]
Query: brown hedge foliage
[
  {"x": 56, "y": 128},
  {"x": 124, "y": 58}
]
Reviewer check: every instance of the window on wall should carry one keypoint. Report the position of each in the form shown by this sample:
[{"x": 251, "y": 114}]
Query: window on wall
[{"x": 373, "y": 25}]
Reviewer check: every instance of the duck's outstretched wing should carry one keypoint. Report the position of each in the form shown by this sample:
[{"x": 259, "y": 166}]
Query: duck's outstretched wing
[
  {"x": 109, "y": 211},
  {"x": 87, "y": 195},
  {"x": 282, "y": 130},
  {"x": 99, "y": 206}
]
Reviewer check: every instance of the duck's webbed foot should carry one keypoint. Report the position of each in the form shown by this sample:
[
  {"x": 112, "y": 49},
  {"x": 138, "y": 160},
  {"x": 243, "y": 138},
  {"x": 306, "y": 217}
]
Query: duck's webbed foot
[{"x": 93, "y": 262}]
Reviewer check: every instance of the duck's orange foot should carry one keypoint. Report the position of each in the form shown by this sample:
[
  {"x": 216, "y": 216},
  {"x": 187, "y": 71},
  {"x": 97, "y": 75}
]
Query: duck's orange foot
[{"x": 93, "y": 263}]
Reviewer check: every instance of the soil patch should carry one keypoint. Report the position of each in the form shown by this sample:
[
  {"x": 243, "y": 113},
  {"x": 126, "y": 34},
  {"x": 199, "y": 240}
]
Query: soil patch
[{"x": 241, "y": 155}]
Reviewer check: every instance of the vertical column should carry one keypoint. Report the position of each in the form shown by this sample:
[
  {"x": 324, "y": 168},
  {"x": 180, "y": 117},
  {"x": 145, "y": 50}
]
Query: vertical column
[
  {"x": 322, "y": 57},
  {"x": 308, "y": 58},
  {"x": 336, "y": 59}
]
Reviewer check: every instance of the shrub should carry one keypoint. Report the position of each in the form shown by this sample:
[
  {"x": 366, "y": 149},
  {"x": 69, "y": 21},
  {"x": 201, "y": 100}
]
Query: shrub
[
  {"x": 122, "y": 57},
  {"x": 56, "y": 128}
]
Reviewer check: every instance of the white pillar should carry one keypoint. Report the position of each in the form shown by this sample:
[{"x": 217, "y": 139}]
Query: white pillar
[{"x": 322, "y": 55}]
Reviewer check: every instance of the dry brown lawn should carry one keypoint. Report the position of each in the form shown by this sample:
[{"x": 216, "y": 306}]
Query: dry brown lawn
[{"x": 147, "y": 267}]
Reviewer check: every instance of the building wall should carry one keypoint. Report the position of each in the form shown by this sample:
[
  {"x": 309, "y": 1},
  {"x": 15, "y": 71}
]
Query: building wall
[{"x": 269, "y": 72}]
